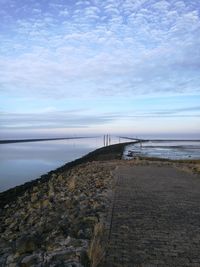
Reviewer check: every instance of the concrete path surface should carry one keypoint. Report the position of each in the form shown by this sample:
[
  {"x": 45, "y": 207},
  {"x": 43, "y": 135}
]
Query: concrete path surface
[{"x": 155, "y": 218}]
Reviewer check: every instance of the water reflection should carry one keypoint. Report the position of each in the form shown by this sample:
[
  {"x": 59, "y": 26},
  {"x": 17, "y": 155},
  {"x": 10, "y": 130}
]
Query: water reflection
[{"x": 22, "y": 162}]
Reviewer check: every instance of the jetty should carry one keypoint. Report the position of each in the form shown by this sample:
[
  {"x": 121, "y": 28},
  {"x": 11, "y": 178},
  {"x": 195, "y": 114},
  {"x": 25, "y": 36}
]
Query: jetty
[{"x": 103, "y": 211}]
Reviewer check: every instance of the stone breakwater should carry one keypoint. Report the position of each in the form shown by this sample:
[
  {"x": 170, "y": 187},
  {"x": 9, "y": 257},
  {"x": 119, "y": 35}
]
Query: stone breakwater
[
  {"x": 61, "y": 219},
  {"x": 53, "y": 223}
]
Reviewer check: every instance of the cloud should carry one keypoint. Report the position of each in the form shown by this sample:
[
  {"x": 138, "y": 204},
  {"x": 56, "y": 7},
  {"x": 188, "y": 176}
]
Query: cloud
[
  {"x": 59, "y": 119},
  {"x": 162, "y": 6},
  {"x": 64, "y": 12},
  {"x": 179, "y": 112},
  {"x": 83, "y": 118},
  {"x": 70, "y": 50}
]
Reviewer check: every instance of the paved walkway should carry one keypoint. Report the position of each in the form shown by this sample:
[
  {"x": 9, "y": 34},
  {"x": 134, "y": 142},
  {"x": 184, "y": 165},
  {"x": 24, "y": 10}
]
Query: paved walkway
[{"x": 155, "y": 218}]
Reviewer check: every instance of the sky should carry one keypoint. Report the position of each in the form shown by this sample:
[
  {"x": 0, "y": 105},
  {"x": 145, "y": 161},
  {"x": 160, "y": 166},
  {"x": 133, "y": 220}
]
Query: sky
[{"x": 79, "y": 67}]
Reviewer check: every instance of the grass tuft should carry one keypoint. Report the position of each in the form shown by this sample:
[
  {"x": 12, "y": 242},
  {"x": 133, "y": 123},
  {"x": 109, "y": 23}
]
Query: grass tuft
[
  {"x": 72, "y": 184},
  {"x": 96, "y": 251}
]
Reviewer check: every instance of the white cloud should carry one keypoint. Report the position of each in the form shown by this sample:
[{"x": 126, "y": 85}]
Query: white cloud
[
  {"x": 92, "y": 12},
  {"x": 138, "y": 48},
  {"x": 162, "y": 6},
  {"x": 62, "y": 119},
  {"x": 64, "y": 12}
]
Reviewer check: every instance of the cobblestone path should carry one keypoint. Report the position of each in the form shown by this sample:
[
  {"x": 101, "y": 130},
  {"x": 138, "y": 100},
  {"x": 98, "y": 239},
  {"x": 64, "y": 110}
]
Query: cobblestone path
[{"x": 155, "y": 218}]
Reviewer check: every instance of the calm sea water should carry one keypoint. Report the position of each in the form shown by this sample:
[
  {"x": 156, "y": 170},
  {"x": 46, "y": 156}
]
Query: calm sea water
[
  {"x": 22, "y": 162},
  {"x": 165, "y": 149}
]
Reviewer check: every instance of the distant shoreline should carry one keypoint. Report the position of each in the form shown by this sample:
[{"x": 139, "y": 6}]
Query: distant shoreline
[
  {"x": 40, "y": 139},
  {"x": 162, "y": 140},
  {"x": 10, "y": 141}
]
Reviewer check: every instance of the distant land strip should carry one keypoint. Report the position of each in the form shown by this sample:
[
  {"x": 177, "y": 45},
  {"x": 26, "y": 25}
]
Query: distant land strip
[
  {"x": 41, "y": 139},
  {"x": 160, "y": 140},
  {"x": 175, "y": 140}
]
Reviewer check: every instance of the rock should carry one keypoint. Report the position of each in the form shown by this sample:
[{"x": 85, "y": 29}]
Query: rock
[
  {"x": 72, "y": 264},
  {"x": 54, "y": 176},
  {"x": 62, "y": 255},
  {"x": 8, "y": 221},
  {"x": 91, "y": 220},
  {"x": 11, "y": 265},
  {"x": 34, "y": 197},
  {"x": 36, "y": 205},
  {"x": 13, "y": 226},
  {"x": 65, "y": 242},
  {"x": 82, "y": 197},
  {"x": 81, "y": 234},
  {"x": 88, "y": 233},
  {"x": 84, "y": 259},
  {"x": 3, "y": 259},
  {"x": 45, "y": 203},
  {"x": 26, "y": 244},
  {"x": 64, "y": 226},
  {"x": 60, "y": 178},
  {"x": 30, "y": 260},
  {"x": 51, "y": 192}
]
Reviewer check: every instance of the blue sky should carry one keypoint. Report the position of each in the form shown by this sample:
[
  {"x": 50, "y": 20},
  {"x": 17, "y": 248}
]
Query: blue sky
[{"x": 86, "y": 67}]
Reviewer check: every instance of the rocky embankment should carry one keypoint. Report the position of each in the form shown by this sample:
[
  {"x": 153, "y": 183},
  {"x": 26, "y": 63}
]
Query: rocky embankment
[
  {"x": 105, "y": 153},
  {"x": 53, "y": 223},
  {"x": 58, "y": 221}
]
